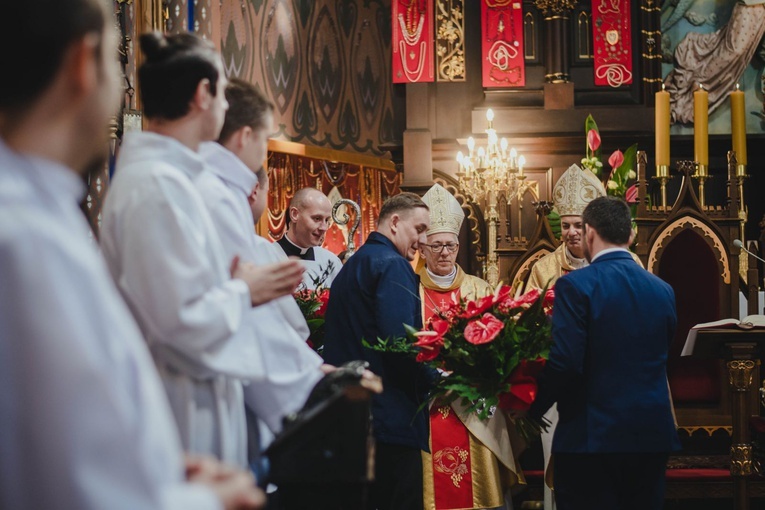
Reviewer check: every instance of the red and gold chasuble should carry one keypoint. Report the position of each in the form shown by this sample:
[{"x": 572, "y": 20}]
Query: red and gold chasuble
[{"x": 461, "y": 472}]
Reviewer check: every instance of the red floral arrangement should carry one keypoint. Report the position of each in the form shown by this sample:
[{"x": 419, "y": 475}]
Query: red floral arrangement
[
  {"x": 491, "y": 351},
  {"x": 313, "y": 306}
]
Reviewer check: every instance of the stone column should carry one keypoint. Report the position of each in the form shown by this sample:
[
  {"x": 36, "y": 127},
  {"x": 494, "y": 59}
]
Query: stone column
[{"x": 418, "y": 140}]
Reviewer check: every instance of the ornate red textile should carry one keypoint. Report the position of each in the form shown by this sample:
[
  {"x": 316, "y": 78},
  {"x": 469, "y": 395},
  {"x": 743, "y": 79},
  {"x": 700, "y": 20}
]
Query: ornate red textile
[
  {"x": 612, "y": 37},
  {"x": 502, "y": 54},
  {"x": 412, "y": 41},
  {"x": 450, "y": 448}
]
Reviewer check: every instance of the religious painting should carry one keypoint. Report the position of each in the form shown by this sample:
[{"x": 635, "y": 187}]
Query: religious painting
[{"x": 717, "y": 44}]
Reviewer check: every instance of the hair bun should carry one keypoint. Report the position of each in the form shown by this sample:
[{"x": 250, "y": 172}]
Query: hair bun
[{"x": 153, "y": 44}]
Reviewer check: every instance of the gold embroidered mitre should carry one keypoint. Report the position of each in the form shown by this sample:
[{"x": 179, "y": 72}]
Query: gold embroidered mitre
[
  {"x": 575, "y": 189},
  {"x": 446, "y": 214}
]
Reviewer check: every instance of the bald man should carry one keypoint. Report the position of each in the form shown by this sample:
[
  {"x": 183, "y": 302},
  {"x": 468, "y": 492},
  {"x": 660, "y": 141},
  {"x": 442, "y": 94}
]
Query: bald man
[{"x": 308, "y": 218}]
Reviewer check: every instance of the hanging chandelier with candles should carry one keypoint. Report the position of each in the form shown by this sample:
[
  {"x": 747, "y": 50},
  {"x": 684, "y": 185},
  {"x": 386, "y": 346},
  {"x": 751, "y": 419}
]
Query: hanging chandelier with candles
[
  {"x": 492, "y": 169},
  {"x": 486, "y": 174}
]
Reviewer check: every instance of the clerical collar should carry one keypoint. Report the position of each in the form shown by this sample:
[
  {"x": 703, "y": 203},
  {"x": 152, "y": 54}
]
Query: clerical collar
[
  {"x": 443, "y": 281},
  {"x": 575, "y": 262},
  {"x": 293, "y": 250}
]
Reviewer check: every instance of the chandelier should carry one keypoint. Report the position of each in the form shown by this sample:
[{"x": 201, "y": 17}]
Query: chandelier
[{"x": 485, "y": 174}]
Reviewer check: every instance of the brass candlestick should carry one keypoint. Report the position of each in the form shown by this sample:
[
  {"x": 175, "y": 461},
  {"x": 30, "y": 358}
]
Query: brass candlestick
[
  {"x": 662, "y": 175},
  {"x": 702, "y": 174}
]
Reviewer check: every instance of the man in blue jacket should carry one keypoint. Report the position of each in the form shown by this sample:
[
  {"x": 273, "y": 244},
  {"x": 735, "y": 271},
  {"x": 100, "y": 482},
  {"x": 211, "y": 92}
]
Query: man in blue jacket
[
  {"x": 373, "y": 296},
  {"x": 612, "y": 326}
]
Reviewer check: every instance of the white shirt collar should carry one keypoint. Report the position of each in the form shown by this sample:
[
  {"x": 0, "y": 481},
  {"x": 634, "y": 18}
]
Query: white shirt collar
[
  {"x": 607, "y": 250},
  {"x": 443, "y": 281},
  {"x": 227, "y": 165},
  {"x": 62, "y": 184},
  {"x": 140, "y": 146},
  {"x": 302, "y": 250}
]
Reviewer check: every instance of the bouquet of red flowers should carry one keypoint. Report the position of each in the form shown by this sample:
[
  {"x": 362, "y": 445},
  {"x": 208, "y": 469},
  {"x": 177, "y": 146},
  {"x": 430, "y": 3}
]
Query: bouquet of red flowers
[
  {"x": 491, "y": 351},
  {"x": 313, "y": 305}
]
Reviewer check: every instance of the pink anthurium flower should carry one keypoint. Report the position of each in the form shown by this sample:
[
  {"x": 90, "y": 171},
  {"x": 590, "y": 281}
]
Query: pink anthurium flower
[
  {"x": 631, "y": 195},
  {"x": 593, "y": 140},
  {"x": 616, "y": 159},
  {"x": 483, "y": 330}
]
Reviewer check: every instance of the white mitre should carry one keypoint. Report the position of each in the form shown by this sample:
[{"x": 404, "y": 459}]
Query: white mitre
[
  {"x": 446, "y": 214},
  {"x": 575, "y": 189}
]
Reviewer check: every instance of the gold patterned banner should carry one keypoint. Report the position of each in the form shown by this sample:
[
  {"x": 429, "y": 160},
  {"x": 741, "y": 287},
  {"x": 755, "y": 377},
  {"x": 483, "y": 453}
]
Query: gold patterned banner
[{"x": 450, "y": 40}]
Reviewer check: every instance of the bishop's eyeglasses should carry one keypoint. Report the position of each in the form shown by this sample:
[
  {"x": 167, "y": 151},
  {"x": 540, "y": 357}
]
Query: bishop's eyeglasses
[{"x": 438, "y": 247}]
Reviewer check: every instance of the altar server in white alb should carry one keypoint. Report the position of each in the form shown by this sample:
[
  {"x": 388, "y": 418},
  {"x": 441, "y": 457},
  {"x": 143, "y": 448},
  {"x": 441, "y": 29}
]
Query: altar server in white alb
[
  {"x": 235, "y": 188},
  {"x": 163, "y": 250},
  {"x": 84, "y": 421},
  {"x": 308, "y": 218}
]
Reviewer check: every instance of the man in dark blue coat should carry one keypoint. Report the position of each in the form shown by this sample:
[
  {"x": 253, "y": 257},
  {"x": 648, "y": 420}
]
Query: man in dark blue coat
[
  {"x": 612, "y": 326},
  {"x": 373, "y": 296}
]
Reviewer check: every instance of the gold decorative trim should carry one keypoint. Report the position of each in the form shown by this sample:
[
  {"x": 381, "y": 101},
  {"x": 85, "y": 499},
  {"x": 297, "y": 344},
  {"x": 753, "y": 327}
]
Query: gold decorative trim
[
  {"x": 529, "y": 37},
  {"x": 451, "y": 461},
  {"x": 680, "y": 224},
  {"x": 740, "y": 374},
  {"x": 709, "y": 429},
  {"x": 652, "y": 56},
  {"x": 331, "y": 155},
  {"x": 653, "y": 80},
  {"x": 741, "y": 460},
  {"x": 554, "y": 6},
  {"x": 450, "y": 40}
]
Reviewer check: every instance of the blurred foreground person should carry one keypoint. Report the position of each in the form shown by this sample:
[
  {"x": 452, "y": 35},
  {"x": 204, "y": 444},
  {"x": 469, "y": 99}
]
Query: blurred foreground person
[{"x": 84, "y": 421}]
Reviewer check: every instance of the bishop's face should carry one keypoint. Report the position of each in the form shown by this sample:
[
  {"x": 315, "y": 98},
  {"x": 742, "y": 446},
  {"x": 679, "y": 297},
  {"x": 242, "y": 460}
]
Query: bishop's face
[
  {"x": 571, "y": 235},
  {"x": 438, "y": 254}
]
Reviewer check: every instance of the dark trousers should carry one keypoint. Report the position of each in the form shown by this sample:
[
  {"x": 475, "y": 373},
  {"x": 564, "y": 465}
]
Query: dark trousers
[
  {"x": 398, "y": 478},
  {"x": 617, "y": 481}
]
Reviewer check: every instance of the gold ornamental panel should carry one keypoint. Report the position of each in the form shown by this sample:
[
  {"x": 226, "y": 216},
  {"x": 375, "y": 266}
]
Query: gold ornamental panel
[
  {"x": 740, "y": 374},
  {"x": 741, "y": 460}
]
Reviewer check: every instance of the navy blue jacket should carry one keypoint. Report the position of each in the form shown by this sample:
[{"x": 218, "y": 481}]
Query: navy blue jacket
[
  {"x": 373, "y": 296},
  {"x": 613, "y": 322}
]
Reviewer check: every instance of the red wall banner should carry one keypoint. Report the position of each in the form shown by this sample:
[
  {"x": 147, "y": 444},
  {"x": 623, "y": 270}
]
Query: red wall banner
[
  {"x": 502, "y": 55},
  {"x": 612, "y": 36},
  {"x": 413, "y": 43}
]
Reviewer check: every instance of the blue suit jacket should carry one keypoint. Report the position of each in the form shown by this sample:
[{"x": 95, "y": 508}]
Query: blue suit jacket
[
  {"x": 613, "y": 323},
  {"x": 373, "y": 296}
]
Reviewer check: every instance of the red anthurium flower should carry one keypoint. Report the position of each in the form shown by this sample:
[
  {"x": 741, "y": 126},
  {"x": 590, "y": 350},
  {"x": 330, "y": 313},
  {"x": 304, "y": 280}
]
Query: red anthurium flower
[
  {"x": 549, "y": 298},
  {"x": 631, "y": 195},
  {"x": 475, "y": 308},
  {"x": 523, "y": 386},
  {"x": 324, "y": 299},
  {"x": 431, "y": 340},
  {"x": 528, "y": 298},
  {"x": 503, "y": 293},
  {"x": 616, "y": 159},
  {"x": 483, "y": 330},
  {"x": 593, "y": 140}
]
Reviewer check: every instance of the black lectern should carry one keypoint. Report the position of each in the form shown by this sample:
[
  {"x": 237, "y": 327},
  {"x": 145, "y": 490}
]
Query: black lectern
[{"x": 324, "y": 457}]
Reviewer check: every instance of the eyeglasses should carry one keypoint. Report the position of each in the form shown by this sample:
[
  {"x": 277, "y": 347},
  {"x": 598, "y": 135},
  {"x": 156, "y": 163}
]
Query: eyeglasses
[{"x": 438, "y": 248}]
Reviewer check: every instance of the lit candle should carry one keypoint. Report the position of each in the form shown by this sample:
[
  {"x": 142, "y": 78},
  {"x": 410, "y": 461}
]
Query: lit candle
[
  {"x": 521, "y": 163},
  {"x": 662, "y": 128},
  {"x": 701, "y": 126},
  {"x": 738, "y": 124}
]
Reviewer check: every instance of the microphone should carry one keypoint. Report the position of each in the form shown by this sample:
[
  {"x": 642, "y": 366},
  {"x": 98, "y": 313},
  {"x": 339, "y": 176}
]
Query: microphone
[{"x": 738, "y": 244}]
